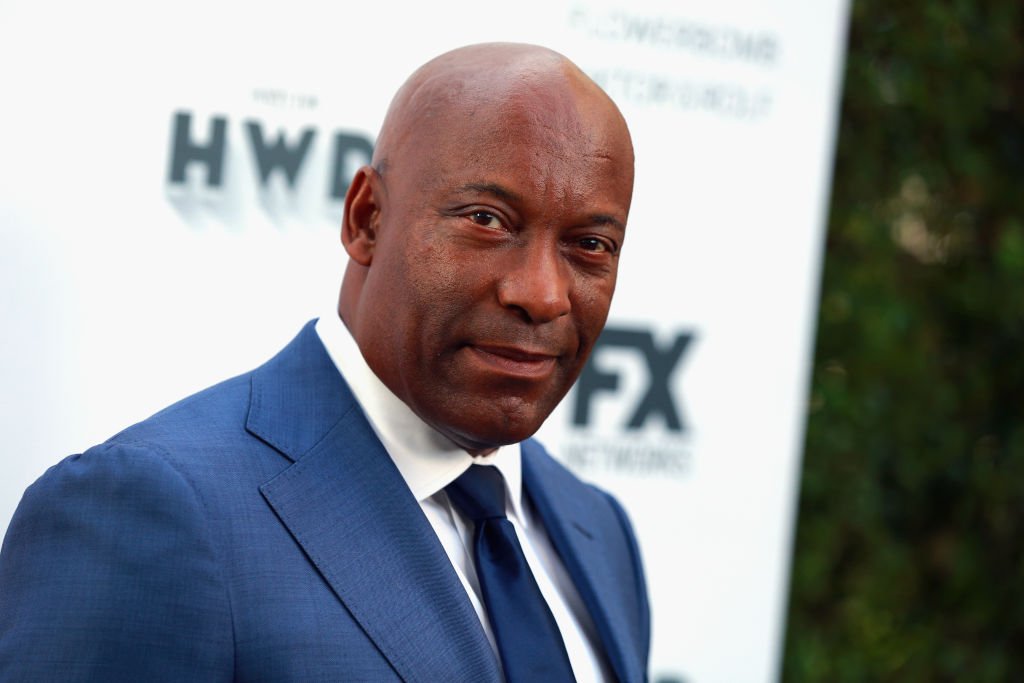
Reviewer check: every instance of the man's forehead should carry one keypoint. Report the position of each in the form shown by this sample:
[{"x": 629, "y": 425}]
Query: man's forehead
[{"x": 549, "y": 125}]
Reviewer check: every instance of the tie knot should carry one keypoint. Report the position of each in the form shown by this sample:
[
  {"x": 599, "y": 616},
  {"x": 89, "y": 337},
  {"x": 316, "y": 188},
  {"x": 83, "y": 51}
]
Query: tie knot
[{"x": 479, "y": 493}]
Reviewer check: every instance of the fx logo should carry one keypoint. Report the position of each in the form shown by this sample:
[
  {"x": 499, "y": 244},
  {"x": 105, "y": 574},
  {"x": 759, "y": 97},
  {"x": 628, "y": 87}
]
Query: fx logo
[{"x": 657, "y": 399}]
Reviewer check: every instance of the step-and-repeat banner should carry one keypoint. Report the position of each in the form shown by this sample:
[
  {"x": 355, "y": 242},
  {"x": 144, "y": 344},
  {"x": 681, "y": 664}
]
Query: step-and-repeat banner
[{"x": 171, "y": 181}]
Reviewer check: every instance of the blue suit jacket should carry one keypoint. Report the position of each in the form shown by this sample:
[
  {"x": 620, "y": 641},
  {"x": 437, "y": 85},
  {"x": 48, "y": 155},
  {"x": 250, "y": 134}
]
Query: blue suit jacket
[{"x": 258, "y": 531}]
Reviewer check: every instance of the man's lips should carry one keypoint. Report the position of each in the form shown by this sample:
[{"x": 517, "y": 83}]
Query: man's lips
[{"x": 513, "y": 360}]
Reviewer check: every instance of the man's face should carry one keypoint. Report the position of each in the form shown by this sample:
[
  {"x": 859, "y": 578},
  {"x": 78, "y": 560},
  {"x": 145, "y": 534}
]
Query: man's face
[{"x": 494, "y": 265}]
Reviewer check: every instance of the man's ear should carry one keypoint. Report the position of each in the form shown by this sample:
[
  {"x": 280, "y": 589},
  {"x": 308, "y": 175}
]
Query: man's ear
[{"x": 362, "y": 215}]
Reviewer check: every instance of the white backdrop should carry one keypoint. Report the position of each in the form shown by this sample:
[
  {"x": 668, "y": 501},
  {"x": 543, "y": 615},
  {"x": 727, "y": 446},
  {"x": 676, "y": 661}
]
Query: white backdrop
[{"x": 127, "y": 285}]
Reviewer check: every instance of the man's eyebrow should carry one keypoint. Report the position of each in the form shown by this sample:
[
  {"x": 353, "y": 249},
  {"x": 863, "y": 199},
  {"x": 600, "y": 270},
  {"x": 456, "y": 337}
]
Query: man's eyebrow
[
  {"x": 605, "y": 219},
  {"x": 492, "y": 189}
]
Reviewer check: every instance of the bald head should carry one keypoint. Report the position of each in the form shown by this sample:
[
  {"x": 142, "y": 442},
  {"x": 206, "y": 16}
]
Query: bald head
[
  {"x": 484, "y": 238},
  {"x": 464, "y": 88}
]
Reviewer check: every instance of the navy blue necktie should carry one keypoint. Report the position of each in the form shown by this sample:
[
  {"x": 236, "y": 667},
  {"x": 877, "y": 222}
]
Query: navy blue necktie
[{"x": 528, "y": 638}]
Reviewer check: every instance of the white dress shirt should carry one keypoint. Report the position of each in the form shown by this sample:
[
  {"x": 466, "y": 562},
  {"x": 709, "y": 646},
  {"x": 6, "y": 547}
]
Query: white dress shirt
[{"x": 429, "y": 461}]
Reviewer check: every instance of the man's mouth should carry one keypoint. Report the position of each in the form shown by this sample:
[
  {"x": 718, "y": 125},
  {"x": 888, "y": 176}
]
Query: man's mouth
[{"x": 515, "y": 361}]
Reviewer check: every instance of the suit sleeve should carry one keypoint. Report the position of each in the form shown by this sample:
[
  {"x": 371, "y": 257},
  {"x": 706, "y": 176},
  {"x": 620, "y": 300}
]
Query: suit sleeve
[{"x": 108, "y": 573}]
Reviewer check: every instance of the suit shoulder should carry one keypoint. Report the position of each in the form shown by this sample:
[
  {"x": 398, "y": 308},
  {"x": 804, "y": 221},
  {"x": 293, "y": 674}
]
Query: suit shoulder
[
  {"x": 555, "y": 485},
  {"x": 206, "y": 412},
  {"x": 202, "y": 438},
  {"x": 542, "y": 464}
]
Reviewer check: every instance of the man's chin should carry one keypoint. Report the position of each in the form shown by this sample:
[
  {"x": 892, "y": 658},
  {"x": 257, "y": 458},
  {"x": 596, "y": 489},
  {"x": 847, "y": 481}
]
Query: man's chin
[{"x": 483, "y": 438}]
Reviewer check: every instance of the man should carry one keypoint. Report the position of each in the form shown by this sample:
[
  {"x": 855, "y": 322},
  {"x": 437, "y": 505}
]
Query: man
[{"x": 305, "y": 522}]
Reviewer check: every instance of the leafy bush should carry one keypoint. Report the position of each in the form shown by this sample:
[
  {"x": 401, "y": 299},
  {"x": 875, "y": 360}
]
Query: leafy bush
[{"x": 909, "y": 565}]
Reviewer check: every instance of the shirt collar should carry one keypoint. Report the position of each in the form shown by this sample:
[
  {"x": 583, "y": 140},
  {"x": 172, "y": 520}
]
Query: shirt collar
[{"x": 426, "y": 459}]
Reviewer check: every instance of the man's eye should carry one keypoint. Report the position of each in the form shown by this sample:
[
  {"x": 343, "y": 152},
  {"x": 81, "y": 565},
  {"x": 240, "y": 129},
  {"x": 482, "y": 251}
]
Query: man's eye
[
  {"x": 596, "y": 245},
  {"x": 487, "y": 220}
]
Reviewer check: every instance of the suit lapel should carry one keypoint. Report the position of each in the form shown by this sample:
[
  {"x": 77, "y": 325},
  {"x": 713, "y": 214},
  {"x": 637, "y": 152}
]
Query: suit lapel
[
  {"x": 346, "y": 504},
  {"x": 592, "y": 556}
]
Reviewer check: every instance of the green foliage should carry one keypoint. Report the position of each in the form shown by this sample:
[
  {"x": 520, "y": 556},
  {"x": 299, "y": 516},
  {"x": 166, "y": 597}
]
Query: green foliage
[{"x": 909, "y": 564}]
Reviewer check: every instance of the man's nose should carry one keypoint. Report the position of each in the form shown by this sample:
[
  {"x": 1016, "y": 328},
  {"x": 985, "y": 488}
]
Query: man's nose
[{"x": 536, "y": 282}]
